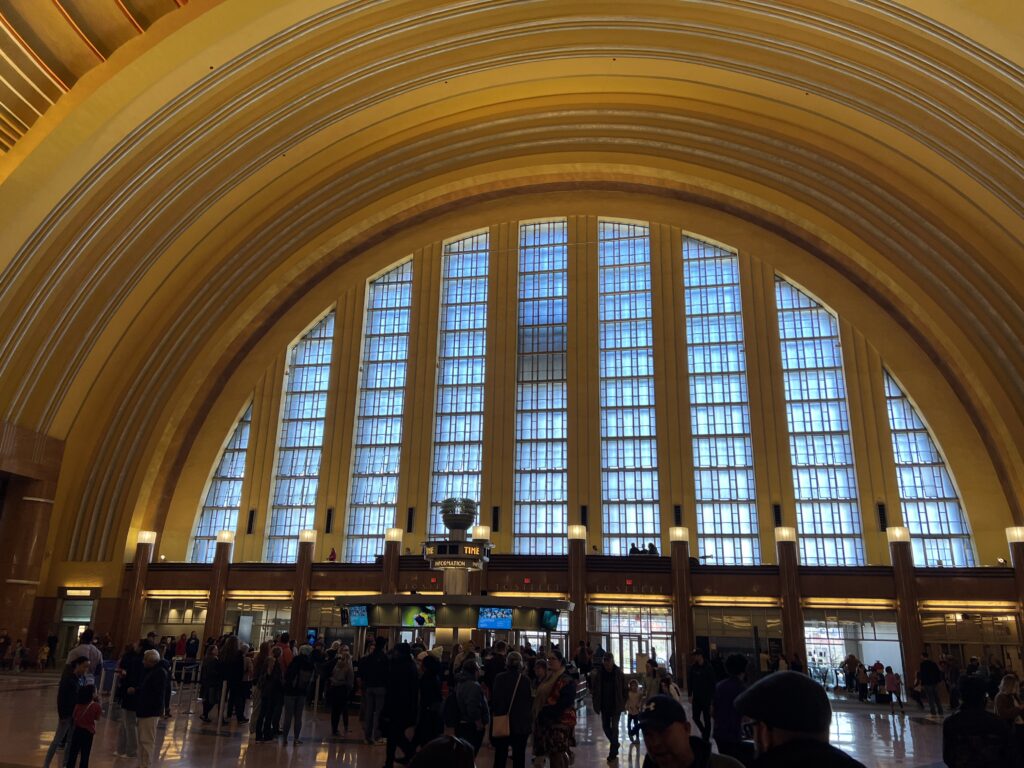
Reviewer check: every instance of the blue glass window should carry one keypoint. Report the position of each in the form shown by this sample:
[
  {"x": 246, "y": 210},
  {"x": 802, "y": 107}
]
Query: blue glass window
[
  {"x": 300, "y": 442},
  {"x": 828, "y": 514},
  {"x": 224, "y": 497},
  {"x": 629, "y": 451},
  {"x": 378, "y": 433},
  {"x": 459, "y": 412},
  {"x": 540, "y": 516},
  {"x": 719, "y": 406},
  {"x": 931, "y": 506}
]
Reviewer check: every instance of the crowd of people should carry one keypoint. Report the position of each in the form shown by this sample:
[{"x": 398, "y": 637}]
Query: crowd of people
[{"x": 521, "y": 700}]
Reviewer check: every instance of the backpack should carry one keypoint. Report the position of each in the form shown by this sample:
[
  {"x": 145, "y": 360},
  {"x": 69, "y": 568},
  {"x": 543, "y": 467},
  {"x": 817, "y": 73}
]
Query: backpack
[{"x": 450, "y": 711}]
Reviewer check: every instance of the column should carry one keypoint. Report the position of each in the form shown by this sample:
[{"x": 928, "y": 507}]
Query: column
[
  {"x": 577, "y": 586},
  {"x": 1015, "y": 538},
  {"x": 789, "y": 590},
  {"x": 136, "y": 593},
  {"x": 303, "y": 576},
  {"x": 24, "y": 525},
  {"x": 907, "y": 617},
  {"x": 392, "y": 553},
  {"x": 218, "y": 585},
  {"x": 682, "y": 599}
]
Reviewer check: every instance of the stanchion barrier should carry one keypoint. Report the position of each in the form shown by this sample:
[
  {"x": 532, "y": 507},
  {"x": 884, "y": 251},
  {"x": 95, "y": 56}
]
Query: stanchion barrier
[
  {"x": 316, "y": 694},
  {"x": 221, "y": 709}
]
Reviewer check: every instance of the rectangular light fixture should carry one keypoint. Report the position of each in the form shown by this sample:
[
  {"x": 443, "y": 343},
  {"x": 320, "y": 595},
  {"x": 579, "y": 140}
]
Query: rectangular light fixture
[
  {"x": 725, "y": 601},
  {"x": 225, "y": 537},
  {"x": 78, "y": 593},
  {"x": 481, "y": 533},
  {"x": 307, "y": 535},
  {"x": 166, "y": 594},
  {"x": 146, "y": 537},
  {"x": 897, "y": 534},
  {"x": 617, "y": 599},
  {"x": 577, "y": 533},
  {"x": 785, "y": 533},
  {"x": 1015, "y": 534},
  {"x": 848, "y": 602},
  {"x": 393, "y": 534},
  {"x": 678, "y": 533}
]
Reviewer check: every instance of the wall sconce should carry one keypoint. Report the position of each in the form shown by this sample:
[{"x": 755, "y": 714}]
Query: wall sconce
[
  {"x": 1015, "y": 534},
  {"x": 577, "y": 532},
  {"x": 678, "y": 533},
  {"x": 225, "y": 537},
  {"x": 481, "y": 533},
  {"x": 785, "y": 533},
  {"x": 307, "y": 535},
  {"x": 393, "y": 534},
  {"x": 147, "y": 537},
  {"x": 897, "y": 534}
]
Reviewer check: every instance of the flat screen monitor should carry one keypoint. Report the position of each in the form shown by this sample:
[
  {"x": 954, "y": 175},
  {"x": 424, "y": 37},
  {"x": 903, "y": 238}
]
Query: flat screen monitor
[
  {"x": 419, "y": 616},
  {"x": 549, "y": 620},
  {"x": 494, "y": 618},
  {"x": 358, "y": 616}
]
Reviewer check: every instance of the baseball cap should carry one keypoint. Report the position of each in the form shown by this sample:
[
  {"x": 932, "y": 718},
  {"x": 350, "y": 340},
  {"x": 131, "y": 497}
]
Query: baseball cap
[
  {"x": 659, "y": 712},
  {"x": 787, "y": 700}
]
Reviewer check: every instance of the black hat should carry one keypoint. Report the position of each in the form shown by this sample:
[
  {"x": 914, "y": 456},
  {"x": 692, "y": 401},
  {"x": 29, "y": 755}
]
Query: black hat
[
  {"x": 659, "y": 712},
  {"x": 787, "y": 700}
]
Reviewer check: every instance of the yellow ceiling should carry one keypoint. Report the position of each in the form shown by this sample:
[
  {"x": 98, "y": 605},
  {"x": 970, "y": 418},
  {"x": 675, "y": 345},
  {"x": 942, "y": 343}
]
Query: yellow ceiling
[{"x": 216, "y": 166}]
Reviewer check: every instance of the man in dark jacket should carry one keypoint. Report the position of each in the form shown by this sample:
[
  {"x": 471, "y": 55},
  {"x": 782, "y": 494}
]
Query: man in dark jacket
[
  {"x": 149, "y": 705},
  {"x": 608, "y": 692},
  {"x": 791, "y": 717},
  {"x": 473, "y": 712},
  {"x": 373, "y": 674},
  {"x": 67, "y": 696},
  {"x": 974, "y": 737},
  {"x": 669, "y": 744},
  {"x": 401, "y": 703},
  {"x": 298, "y": 679},
  {"x": 701, "y": 684},
  {"x": 930, "y": 676}
]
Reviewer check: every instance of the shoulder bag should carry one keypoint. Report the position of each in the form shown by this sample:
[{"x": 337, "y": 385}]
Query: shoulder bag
[{"x": 500, "y": 727}]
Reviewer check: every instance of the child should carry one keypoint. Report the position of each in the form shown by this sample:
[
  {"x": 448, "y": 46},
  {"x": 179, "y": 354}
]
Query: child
[
  {"x": 43, "y": 657},
  {"x": 668, "y": 687},
  {"x": 893, "y": 686},
  {"x": 87, "y": 712},
  {"x": 634, "y": 700}
]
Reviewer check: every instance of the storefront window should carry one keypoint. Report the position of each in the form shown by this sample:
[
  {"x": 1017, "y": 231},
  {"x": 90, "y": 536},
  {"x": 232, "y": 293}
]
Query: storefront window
[
  {"x": 831, "y": 635},
  {"x": 994, "y": 638},
  {"x": 634, "y": 633},
  {"x": 258, "y": 620},
  {"x": 753, "y": 632}
]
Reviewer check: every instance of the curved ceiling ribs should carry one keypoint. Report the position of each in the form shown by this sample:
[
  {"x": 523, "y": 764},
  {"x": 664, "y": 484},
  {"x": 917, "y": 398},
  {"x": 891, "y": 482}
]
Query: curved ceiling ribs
[{"x": 380, "y": 103}]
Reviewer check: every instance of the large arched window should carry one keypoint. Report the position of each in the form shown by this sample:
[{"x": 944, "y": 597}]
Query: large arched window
[
  {"x": 224, "y": 495},
  {"x": 541, "y": 486},
  {"x": 723, "y": 456},
  {"x": 379, "y": 412},
  {"x": 300, "y": 441},
  {"x": 931, "y": 506},
  {"x": 827, "y": 512},
  {"x": 461, "y": 350}
]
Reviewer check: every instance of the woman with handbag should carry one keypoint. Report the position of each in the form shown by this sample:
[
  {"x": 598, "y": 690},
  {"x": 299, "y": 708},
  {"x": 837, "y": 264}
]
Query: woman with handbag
[{"x": 512, "y": 713}]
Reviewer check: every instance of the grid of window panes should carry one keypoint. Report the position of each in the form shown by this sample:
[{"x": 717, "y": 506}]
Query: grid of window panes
[
  {"x": 540, "y": 515},
  {"x": 723, "y": 455},
  {"x": 378, "y": 437},
  {"x": 824, "y": 480},
  {"x": 220, "y": 510},
  {"x": 301, "y": 440},
  {"x": 459, "y": 415},
  {"x": 931, "y": 507},
  {"x": 629, "y": 452}
]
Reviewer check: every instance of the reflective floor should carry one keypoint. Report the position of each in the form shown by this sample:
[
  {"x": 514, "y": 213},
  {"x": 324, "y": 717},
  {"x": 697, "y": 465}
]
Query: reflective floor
[{"x": 28, "y": 717}]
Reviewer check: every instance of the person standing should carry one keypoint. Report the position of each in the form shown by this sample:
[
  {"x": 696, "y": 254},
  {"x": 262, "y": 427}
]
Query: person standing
[
  {"x": 429, "y": 722},
  {"x": 232, "y": 667},
  {"x": 67, "y": 697},
  {"x": 930, "y": 676},
  {"x": 513, "y": 699},
  {"x": 792, "y": 716},
  {"x": 701, "y": 684},
  {"x": 297, "y": 681},
  {"x": 210, "y": 681},
  {"x": 373, "y": 674},
  {"x": 284, "y": 642},
  {"x": 87, "y": 712},
  {"x": 271, "y": 684},
  {"x": 129, "y": 674},
  {"x": 86, "y": 648},
  {"x": 727, "y": 728},
  {"x": 474, "y": 714},
  {"x": 192, "y": 647},
  {"x": 340, "y": 680},
  {"x": 608, "y": 692},
  {"x": 894, "y": 687},
  {"x": 556, "y": 720},
  {"x": 974, "y": 737},
  {"x": 400, "y": 704},
  {"x": 149, "y": 705},
  {"x": 669, "y": 743}
]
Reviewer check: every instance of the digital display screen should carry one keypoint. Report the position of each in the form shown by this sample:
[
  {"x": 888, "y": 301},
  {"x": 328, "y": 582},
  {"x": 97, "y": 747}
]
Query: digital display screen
[
  {"x": 358, "y": 616},
  {"x": 419, "y": 616},
  {"x": 494, "y": 618},
  {"x": 549, "y": 620}
]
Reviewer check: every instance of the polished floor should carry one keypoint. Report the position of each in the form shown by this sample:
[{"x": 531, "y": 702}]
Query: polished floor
[{"x": 28, "y": 717}]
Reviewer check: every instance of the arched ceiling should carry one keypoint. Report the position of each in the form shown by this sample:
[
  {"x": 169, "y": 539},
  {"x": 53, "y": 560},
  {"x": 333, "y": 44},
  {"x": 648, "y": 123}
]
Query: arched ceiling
[{"x": 193, "y": 193}]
